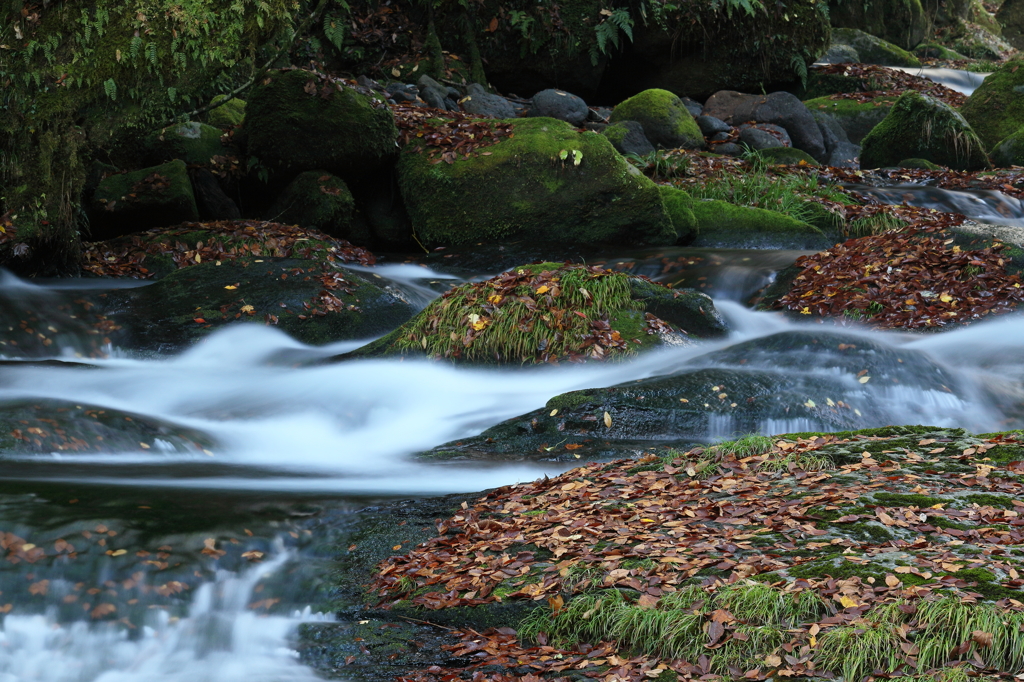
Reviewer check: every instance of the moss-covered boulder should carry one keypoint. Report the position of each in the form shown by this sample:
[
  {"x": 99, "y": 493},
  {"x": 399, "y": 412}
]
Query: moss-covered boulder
[
  {"x": 900, "y": 22},
  {"x": 665, "y": 119},
  {"x": 788, "y": 156},
  {"x": 920, "y": 164},
  {"x": 316, "y": 199},
  {"x": 194, "y": 143},
  {"x": 1009, "y": 152},
  {"x": 936, "y": 51},
  {"x": 296, "y": 122},
  {"x": 922, "y": 127},
  {"x": 757, "y": 386},
  {"x": 996, "y": 109},
  {"x": 33, "y": 427},
  {"x": 724, "y": 225},
  {"x": 1011, "y": 18},
  {"x": 313, "y": 301},
  {"x": 548, "y": 313},
  {"x": 857, "y": 118},
  {"x": 230, "y": 112},
  {"x": 678, "y": 205},
  {"x": 138, "y": 200},
  {"x": 873, "y": 50},
  {"x": 546, "y": 182}
]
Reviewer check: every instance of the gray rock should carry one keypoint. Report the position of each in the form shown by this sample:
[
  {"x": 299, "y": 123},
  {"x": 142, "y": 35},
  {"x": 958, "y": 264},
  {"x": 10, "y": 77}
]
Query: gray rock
[
  {"x": 693, "y": 106},
  {"x": 432, "y": 92},
  {"x": 709, "y": 125},
  {"x": 719, "y": 137},
  {"x": 368, "y": 82},
  {"x": 839, "y": 53},
  {"x": 841, "y": 152},
  {"x": 755, "y": 138},
  {"x": 494, "y": 106},
  {"x": 211, "y": 200},
  {"x": 779, "y": 108},
  {"x": 728, "y": 149},
  {"x": 476, "y": 89},
  {"x": 628, "y": 138},
  {"x": 561, "y": 105}
]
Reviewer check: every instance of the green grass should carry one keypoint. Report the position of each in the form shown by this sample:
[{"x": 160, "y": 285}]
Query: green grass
[{"x": 879, "y": 223}]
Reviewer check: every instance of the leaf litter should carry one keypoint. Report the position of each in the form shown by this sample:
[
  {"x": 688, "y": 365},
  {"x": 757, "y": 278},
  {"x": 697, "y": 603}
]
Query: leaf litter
[{"x": 882, "y": 534}]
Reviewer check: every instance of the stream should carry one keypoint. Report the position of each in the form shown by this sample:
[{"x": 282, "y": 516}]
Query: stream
[{"x": 164, "y": 564}]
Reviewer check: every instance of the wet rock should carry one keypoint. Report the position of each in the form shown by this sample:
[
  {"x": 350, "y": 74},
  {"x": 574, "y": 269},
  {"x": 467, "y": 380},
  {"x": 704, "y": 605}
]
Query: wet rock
[
  {"x": 432, "y": 92},
  {"x": 314, "y": 302},
  {"x": 791, "y": 381},
  {"x": 922, "y": 127},
  {"x": 212, "y": 202},
  {"x": 561, "y": 105},
  {"x": 316, "y": 199},
  {"x": 724, "y": 225},
  {"x": 666, "y": 121},
  {"x": 841, "y": 152},
  {"x": 138, "y": 200},
  {"x": 628, "y": 138},
  {"x": 839, "y": 53}
]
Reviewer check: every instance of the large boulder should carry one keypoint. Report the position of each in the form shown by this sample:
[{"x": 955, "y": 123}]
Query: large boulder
[
  {"x": 919, "y": 126},
  {"x": 996, "y": 109},
  {"x": 227, "y": 113},
  {"x": 901, "y": 22},
  {"x": 142, "y": 199},
  {"x": 482, "y": 103},
  {"x": 720, "y": 224},
  {"x": 778, "y": 108},
  {"x": 1011, "y": 18},
  {"x": 628, "y": 138},
  {"x": 856, "y": 118},
  {"x": 1009, "y": 152},
  {"x": 545, "y": 182},
  {"x": 194, "y": 143},
  {"x": 771, "y": 384},
  {"x": 295, "y": 122},
  {"x": 551, "y": 312},
  {"x": 871, "y": 49},
  {"x": 319, "y": 200},
  {"x": 559, "y": 104},
  {"x": 665, "y": 119}
]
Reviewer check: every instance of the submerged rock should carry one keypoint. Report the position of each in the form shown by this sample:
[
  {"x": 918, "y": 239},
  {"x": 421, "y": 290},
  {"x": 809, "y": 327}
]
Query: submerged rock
[
  {"x": 788, "y": 381},
  {"x": 551, "y": 312}
]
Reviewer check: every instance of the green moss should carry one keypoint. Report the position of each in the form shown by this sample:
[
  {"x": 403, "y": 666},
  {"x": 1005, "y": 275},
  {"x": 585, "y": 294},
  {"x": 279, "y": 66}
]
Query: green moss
[
  {"x": 923, "y": 164},
  {"x": 986, "y": 500},
  {"x": 193, "y": 143},
  {"x": 788, "y": 156},
  {"x": 352, "y": 136},
  {"x": 923, "y": 127},
  {"x": 857, "y": 118},
  {"x": 996, "y": 109},
  {"x": 616, "y": 133},
  {"x": 908, "y": 500},
  {"x": 987, "y": 584},
  {"x": 901, "y": 23},
  {"x": 1004, "y": 454},
  {"x": 872, "y": 49},
  {"x": 317, "y": 199},
  {"x": 665, "y": 119},
  {"x": 570, "y": 400},
  {"x": 534, "y": 190},
  {"x": 136, "y": 201},
  {"x": 726, "y": 225},
  {"x": 230, "y": 113},
  {"x": 677, "y": 205}
]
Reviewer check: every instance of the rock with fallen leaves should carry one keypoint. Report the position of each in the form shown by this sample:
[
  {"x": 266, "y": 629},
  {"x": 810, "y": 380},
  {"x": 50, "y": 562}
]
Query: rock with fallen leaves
[
  {"x": 320, "y": 201},
  {"x": 543, "y": 181},
  {"x": 139, "y": 200},
  {"x": 548, "y": 313},
  {"x": 752, "y": 387},
  {"x": 826, "y": 556}
]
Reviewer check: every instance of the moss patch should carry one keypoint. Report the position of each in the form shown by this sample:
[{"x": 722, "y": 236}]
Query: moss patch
[
  {"x": 136, "y": 201},
  {"x": 665, "y": 119},
  {"x": 996, "y": 109},
  {"x": 721, "y": 224}
]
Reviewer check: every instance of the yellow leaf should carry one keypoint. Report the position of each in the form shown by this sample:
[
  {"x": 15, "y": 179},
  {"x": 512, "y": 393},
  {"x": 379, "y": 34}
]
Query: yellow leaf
[
  {"x": 395, "y": 72},
  {"x": 864, "y": 379},
  {"x": 553, "y": 412},
  {"x": 495, "y": 299},
  {"x": 479, "y": 324},
  {"x": 945, "y": 298},
  {"x": 607, "y": 420},
  {"x": 543, "y": 290},
  {"x": 230, "y": 286},
  {"x": 772, "y": 661},
  {"x": 809, "y": 404},
  {"x": 847, "y": 602},
  {"x": 118, "y": 552},
  {"x": 805, "y": 311}
]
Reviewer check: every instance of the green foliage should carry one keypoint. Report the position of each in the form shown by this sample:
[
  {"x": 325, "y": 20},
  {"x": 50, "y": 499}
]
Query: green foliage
[
  {"x": 607, "y": 31},
  {"x": 878, "y": 223}
]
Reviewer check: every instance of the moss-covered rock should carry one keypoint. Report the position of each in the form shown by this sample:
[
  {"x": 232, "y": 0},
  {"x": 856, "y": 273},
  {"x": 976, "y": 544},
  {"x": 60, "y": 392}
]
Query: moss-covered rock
[
  {"x": 547, "y": 313},
  {"x": 922, "y": 164},
  {"x": 138, "y": 200},
  {"x": 788, "y": 156},
  {"x": 996, "y": 109},
  {"x": 315, "y": 302},
  {"x": 856, "y": 118},
  {"x": 902, "y": 23},
  {"x": 665, "y": 119},
  {"x": 678, "y": 206},
  {"x": 936, "y": 51},
  {"x": 1009, "y": 152},
  {"x": 922, "y": 127},
  {"x": 628, "y": 138},
  {"x": 194, "y": 143},
  {"x": 231, "y": 112},
  {"x": 873, "y": 50},
  {"x": 725, "y": 225},
  {"x": 546, "y": 182},
  {"x": 295, "y": 123},
  {"x": 1011, "y": 19},
  {"x": 319, "y": 200}
]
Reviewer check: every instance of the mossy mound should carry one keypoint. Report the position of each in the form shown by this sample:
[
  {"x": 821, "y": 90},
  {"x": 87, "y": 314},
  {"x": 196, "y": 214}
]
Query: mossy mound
[
  {"x": 996, "y": 109},
  {"x": 873, "y": 50},
  {"x": 139, "y": 200},
  {"x": 295, "y": 122},
  {"x": 1009, "y": 152},
  {"x": 678, "y": 205},
  {"x": 725, "y": 225},
  {"x": 857, "y": 118},
  {"x": 870, "y": 551},
  {"x": 665, "y": 119},
  {"x": 32, "y": 427},
  {"x": 788, "y": 156},
  {"x": 194, "y": 143},
  {"x": 547, "y": 313},
  {"x": 318, "y": 200},
  {"x": 546, "y": 182},
  {"x": 936, "y": 51},
  {"x": 230, "y": 113},
  {"x": 922, "y": 127},
  {"x": 1011, "y": 17},
  {"x": 750, "y": 387},
  {"x": 902, "y": 23},
  {"x": 921, "y": 164},
  {"x": 315, "y": 302}
]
